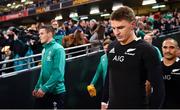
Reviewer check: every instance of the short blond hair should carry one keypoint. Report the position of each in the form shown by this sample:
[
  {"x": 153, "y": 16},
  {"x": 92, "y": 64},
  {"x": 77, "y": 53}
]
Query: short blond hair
[{"x": 123, "y": 13}]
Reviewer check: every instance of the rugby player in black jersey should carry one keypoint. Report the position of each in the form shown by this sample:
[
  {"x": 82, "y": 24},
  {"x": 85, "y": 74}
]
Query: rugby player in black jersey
[
  {"x": 171, "y": 73},
  {"x": 132, "y": 61}
]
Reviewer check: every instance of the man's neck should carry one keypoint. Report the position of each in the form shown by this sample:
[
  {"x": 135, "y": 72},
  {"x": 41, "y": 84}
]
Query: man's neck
[
  {"x": 131, "y": 38},
  {"x": 50, "y": 39},
  {"x": 168, "y": 62}
]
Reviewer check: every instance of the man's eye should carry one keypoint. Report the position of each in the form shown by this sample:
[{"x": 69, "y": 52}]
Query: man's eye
[
  {"x": 164, "y": 47},
  {"x": 121, "y": 27},
  {"x": 171, "y": 47}
]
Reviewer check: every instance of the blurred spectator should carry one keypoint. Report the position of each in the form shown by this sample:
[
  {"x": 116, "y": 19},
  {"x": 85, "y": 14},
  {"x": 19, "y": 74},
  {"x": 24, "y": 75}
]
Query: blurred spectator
[
  {"x": 72, "y": 25},
  {"x": 66, "y": 28},
  {"x": 7, "y": 56},
  {"x": 157, "y": 19},
  {"x": 92, "y": 26},
  {"x": 101, "y": 71},
  {"x": 149, "y": 38},
  {"x": 98, "y": 36},
  {"x": 78, "y": 38},
  {"x": 39, "y": 25},
  {"x": 81, "y": 26},
  {"x": 140, "y": 29},
  {"x": 59, "y": 32},
  {"x": 17, "y": 46}
]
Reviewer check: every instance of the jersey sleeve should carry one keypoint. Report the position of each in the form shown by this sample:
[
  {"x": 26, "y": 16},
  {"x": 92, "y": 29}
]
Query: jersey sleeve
[{"x": 154, "y": 74}]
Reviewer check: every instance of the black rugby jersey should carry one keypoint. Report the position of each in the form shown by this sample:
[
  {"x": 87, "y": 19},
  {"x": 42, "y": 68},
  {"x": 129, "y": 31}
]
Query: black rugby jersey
[
  {"x": 171, "y": 76},
  {"x": 129, "y": 67}
]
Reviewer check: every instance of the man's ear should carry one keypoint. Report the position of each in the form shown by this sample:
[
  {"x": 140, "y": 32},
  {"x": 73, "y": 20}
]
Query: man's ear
[
  {"x": 133, "y": 23},
  {"x": 50, "y": 34}
]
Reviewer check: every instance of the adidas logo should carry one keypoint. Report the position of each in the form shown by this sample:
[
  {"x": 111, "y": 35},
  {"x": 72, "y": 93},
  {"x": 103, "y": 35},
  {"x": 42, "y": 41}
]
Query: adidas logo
[{"x": 112, "y": 51}]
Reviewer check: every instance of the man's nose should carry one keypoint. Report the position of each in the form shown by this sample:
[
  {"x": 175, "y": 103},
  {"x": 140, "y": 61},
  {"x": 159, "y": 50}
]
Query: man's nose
[
  {"x": 168, "y": 49},
  {"x": 116, "y": 31}
]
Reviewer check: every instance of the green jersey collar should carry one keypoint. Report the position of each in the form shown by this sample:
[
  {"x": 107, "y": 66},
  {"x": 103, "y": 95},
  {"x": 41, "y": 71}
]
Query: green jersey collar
[{"x": 46, "y": 45}]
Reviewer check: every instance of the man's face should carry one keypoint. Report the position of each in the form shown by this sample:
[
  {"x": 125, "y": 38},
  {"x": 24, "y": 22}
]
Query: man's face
[
  {"x": 9, "y": 32},
  {"x": 55, "y": 24},
  {"x": 122, "y": 30},
  {"x": 10, "y": 35},
  {"x": 106, "y": 47},
  {"x": 43, "y": 35},
  {"x": 91, "y": 24},
  {"x": 169, "y": 49},
  {"x": 83, "y": 24},
  {"x": 148, "y": 39}
]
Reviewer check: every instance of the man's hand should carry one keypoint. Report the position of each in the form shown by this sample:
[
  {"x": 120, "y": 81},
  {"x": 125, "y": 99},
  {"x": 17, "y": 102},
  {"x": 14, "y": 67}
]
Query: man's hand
[
  {"x": 40, "y": 93},
  {"x": 15, "y": 37},
  {"x": 148, "y": 88},
  {"x": 104, "y": 106},
  {"x": 92, "y": 90},
  {"x": 34, "y": 92}
]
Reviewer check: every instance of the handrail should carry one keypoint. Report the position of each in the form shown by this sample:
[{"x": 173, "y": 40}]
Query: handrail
[
  {"x": 39, "y": 66},
  {"x": 79, "y": 46},
  {"x": 172, "y": 33},
  {"x": 22, "y": 58},
  {"x": 87, "y": 50},
  {"x": 71, "y": 58},
  {"x": 18, "y": 72},
  {"x": 36, "y": 55}
]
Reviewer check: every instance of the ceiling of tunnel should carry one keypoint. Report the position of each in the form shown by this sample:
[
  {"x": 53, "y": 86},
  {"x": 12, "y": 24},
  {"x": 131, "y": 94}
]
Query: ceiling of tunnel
[{"x": 17, "y": 4}]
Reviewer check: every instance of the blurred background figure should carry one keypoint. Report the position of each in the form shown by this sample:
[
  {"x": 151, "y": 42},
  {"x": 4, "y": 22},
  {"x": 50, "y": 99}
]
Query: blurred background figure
[
  {"x": 100, "y": 71},
  {"x": 7, "y": 55},
  {"x": 59, "y": 31},
  {"x": 149, "y": 38}
]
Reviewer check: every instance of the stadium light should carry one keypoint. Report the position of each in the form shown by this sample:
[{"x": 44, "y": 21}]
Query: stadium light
[
  {"x": 94, "y": 10},
  {"x": 148, "y": 2},
  {"x": 59, "y": 17},
  {"x": 83, "y": 17},
  {"x": 73, "y": 14},
  {"x": 116, "y": 6},
  {"x": 158, "y": 6},
  {"x": 105, "y": 14}
]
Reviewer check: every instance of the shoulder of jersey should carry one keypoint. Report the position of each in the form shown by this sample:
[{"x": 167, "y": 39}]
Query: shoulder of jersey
[
  {"x": 178, "y": 60},
  {"x": 112, "y": 46}
]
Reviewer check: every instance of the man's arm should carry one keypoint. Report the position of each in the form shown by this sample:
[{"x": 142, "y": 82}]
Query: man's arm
[
  {"x": 39, "y": 82},
  {"x": 98, "y": 72},
  {"x": 40, "y": 76},
  {"x": 105, "y": 94},
  {"x": 153, "y": 67}
]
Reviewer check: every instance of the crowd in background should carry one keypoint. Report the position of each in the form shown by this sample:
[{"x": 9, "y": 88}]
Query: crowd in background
[
  {"x": 17, "y": 42},
  {"x": 38, "y": 3}
]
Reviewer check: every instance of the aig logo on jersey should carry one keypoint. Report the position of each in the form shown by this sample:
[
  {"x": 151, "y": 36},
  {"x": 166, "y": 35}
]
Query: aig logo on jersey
[
  {"x": 167, "y": 77},
  {"x": 118, "y": 58}
]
